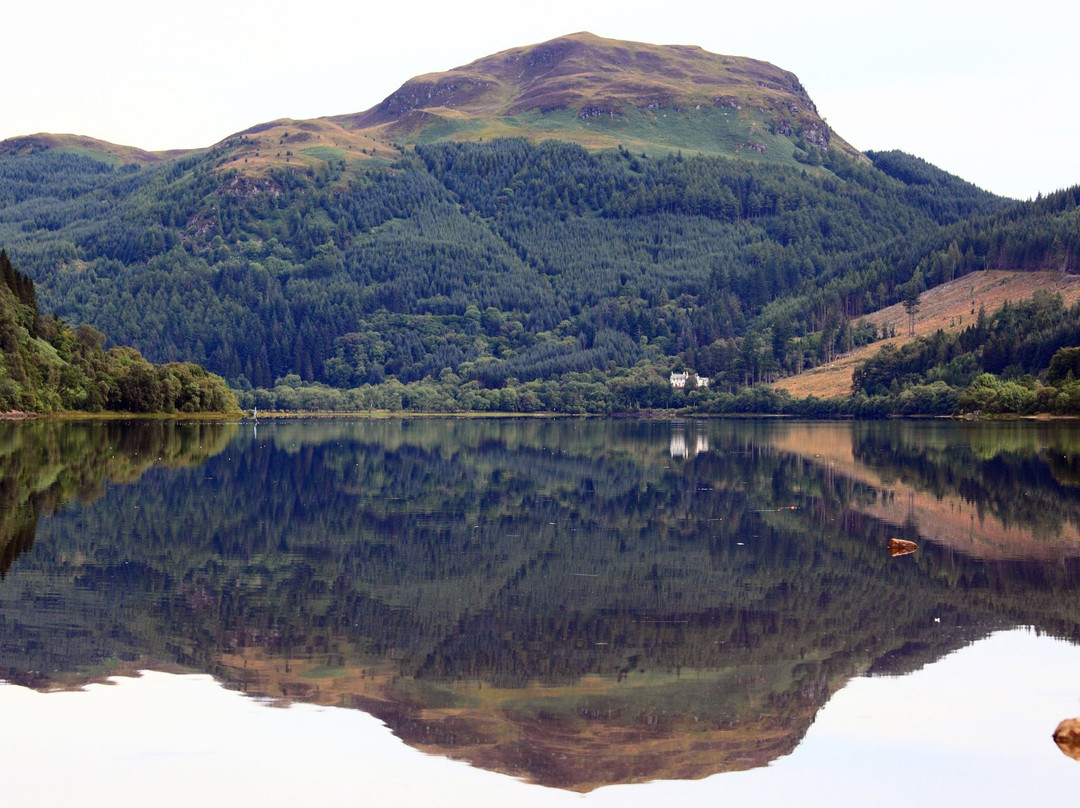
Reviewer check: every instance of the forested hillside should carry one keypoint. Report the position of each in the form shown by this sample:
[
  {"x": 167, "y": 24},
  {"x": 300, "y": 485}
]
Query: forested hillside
[
  {"x": 1023, "y": 359},
  {"x": 47, "y": 366},
  {"x": 310, "y": 258},
  {"x": 488, "y": 260}
]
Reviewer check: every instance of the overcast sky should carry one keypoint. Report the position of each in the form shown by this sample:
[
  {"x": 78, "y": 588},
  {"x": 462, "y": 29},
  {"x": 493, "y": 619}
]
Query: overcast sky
[{"x": 987, "y": 91}]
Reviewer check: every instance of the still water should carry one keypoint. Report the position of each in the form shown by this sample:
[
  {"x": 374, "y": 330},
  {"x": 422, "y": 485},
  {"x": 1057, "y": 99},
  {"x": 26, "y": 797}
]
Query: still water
[{"x": 393, "y": 612}]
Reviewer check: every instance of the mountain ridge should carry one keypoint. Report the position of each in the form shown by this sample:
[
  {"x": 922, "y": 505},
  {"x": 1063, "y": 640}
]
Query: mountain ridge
[
  {"x": 594, "y": 78},
  {"x": 44, "y": 141},
  {"x": 597, "y": 92}
]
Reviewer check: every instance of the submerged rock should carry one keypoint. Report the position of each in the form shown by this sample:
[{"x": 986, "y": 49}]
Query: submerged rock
[
  {"x": 1067, "y": 737},
  {"x": 899, "y": 547}
]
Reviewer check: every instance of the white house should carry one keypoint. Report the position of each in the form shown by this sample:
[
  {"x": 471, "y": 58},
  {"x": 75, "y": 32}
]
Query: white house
[{"x": 678, "y": 380}]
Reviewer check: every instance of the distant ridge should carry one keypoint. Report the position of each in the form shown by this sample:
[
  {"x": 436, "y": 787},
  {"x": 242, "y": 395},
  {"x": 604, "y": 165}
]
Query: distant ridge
[{"x": 44, "y": 141}]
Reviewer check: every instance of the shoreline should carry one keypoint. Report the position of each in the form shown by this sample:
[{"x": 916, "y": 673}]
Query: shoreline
[{"x": 657, "y": 415}]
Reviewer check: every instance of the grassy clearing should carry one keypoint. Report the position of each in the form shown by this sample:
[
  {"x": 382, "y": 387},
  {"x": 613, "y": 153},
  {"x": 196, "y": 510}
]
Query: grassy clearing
[
  {"x": 326, "y": 153},
  {"x": 104, "y": 157},
  {"x": 708, "y": 131},
  {"x": 324, "y": 672}
]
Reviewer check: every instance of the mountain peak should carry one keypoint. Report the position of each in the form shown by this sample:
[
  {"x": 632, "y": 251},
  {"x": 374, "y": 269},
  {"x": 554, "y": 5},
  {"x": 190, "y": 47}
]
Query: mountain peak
[
  {"x": 597, "y": 92},
  {"x": 605, "y": 89}
]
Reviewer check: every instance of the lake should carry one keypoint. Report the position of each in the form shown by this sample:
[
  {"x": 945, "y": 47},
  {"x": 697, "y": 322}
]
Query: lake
[{"x": 544, "y": 612}]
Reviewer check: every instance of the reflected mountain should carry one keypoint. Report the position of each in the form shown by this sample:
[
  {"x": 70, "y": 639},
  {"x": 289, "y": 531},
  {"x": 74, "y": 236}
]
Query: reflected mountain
[{"x": 574, "y": 602}]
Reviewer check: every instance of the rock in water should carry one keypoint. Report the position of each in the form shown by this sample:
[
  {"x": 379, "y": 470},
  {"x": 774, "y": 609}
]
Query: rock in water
[
  {"x": 1067, "y": 737},
  {"x": 899, "y": 547}
]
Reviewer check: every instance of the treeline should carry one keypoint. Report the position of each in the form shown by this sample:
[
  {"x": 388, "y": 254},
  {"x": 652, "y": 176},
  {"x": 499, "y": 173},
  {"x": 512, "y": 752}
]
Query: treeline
[
  {"x": 47, "y": 366},
  {"x": 1038, "y": 234},
  {"x": 1023, "y": 359},
  {"x": 642, "y": 388}
]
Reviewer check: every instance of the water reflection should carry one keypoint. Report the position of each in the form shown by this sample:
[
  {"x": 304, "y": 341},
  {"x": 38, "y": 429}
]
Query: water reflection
[
  {"x": 684, "y": 446},
  {"x": 43, "y": 465},
  {"x": 574, "y": 602},
  {"x": 947, "y": 735}
]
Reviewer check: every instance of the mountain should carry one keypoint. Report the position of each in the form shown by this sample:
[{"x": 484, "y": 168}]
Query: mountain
[
  {"x": 656, "y": 207},
  {"x": 581, "y": 88},
  {"x": 603, "y": 92}
]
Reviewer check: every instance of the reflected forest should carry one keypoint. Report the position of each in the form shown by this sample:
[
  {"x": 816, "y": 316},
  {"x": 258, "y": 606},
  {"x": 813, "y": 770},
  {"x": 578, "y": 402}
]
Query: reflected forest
[{"x": 576, "y": 602}]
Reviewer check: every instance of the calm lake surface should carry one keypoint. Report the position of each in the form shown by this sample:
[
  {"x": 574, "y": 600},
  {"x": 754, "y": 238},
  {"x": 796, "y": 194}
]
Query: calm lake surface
[{"x": 538, "y": 612}]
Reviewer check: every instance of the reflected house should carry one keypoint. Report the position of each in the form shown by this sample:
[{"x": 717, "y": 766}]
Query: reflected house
[{"x": 680, "y": 446}]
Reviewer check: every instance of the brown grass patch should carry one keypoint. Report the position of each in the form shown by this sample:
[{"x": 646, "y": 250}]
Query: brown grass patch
[
  {"x": 256, "y": 151},
  {"x": 951, "y": 306}
]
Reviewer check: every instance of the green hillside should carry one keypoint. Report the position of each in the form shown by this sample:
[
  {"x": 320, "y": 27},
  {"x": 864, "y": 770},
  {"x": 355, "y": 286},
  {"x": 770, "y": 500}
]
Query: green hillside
[
  {"x": 411, "y": 256},
  {"x": 489, "y": 260},
  {"x": 46, "y": 366}
]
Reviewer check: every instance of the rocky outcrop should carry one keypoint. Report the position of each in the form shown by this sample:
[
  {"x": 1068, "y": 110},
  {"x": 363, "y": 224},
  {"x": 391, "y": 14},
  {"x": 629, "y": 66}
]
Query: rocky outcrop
[
  {"x": 1067, "y": 737},
  {"x": 899, "y": 547}
]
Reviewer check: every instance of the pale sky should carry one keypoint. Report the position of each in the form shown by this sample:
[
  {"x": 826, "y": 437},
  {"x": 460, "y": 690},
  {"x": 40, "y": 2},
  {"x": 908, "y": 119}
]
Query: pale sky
[{"x": 986, "y": 91}]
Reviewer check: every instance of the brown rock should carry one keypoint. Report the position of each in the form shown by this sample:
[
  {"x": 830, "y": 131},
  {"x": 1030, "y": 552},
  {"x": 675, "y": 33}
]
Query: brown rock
[
  {"x": 1067, "y": 737},
  {"x": 899, "y": 547}
]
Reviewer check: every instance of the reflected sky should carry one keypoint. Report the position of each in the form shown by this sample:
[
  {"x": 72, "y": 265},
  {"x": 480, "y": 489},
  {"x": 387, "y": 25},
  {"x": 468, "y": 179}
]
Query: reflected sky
[
  {"x": 972, "y": 728},
  {"x": 578, "y": 603}
]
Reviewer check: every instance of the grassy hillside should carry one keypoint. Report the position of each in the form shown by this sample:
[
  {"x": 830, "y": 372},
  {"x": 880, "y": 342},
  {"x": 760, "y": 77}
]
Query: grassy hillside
[
  {"x": 601, "y": 93},
  {"x": 305, "y": 145},
  {"x": 89, "y": 147}
]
